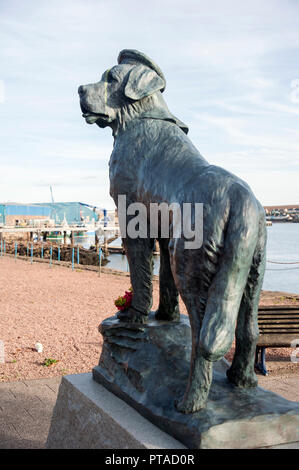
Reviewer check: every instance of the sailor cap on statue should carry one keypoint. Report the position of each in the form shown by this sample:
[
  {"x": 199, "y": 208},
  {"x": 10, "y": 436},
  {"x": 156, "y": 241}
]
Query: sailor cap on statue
[{"x": 131, "y": 56}]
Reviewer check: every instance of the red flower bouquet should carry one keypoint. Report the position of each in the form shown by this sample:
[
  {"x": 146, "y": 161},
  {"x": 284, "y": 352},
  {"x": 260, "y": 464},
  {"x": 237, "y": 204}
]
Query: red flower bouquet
[{"x": 124, "y": 301}]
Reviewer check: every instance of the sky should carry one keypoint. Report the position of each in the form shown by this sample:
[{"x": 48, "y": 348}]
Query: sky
[{"x": 232, "y": 76}]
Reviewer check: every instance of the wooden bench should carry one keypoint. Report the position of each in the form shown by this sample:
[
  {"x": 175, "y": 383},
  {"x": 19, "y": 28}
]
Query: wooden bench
[{"x": 278, "y": 327}]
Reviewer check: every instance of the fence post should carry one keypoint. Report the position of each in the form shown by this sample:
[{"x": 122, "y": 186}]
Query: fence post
[
  {"x": 16, "y": 250},
  {"x": 1, "y": 246},
  {"x": 31, "y": 253},
  {"x": 4, "y": 245},
  {"x": 73, "y": 256},
  {"x": 51, "y": 252},
  {"x": 100, "y": 260},
  {"x": 78, "y": 255},
  {"x": 42, "y": 251},
  {"x": 58, "y": 252}
]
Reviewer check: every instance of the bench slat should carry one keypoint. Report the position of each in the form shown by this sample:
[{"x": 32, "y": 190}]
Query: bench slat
[
  {"x": 278, "y": 317},
  {"x": 279, "y": 314},
  {"x": 282, "y": 313},
  {"x": 278, "y": 307},
  {"x": 270, "y": 331},
  {"x": 269, "y": 321},
  {"x": 281, "y": 340}
]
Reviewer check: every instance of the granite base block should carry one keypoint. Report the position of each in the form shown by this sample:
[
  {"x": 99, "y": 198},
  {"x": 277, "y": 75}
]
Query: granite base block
[{"x": 88, "y": 416}]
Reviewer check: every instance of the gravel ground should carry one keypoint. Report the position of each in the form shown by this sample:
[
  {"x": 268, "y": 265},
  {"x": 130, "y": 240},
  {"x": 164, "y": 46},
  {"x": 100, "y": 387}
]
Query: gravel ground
[
  {"x": 59, "y": 308},
  {"x": 62, "y": 309}
]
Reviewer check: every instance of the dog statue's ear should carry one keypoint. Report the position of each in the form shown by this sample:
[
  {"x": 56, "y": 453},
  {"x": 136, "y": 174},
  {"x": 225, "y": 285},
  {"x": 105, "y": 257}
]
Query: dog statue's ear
[{"x": 142, "y": 82}]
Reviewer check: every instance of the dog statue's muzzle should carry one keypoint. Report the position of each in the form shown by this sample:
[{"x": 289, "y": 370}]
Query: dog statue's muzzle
[{"x": 91, "y": 117}]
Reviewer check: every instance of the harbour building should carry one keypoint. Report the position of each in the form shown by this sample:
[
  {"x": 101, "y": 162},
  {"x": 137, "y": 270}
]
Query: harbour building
[{"x": 74, "y": 213}]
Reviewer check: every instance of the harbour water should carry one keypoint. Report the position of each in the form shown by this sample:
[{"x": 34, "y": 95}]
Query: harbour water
[{"x": 282, "y": 247}]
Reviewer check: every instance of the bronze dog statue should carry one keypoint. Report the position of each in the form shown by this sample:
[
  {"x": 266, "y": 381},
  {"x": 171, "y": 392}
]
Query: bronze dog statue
[{"x": 153, "y": 161}]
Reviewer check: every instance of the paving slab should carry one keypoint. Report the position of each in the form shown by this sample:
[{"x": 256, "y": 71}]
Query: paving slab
[{"x": 26, "y": 409}]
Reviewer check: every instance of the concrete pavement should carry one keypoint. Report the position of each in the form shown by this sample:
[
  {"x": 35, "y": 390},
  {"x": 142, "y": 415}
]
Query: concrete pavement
[
  {"x": 26, "y": 408},
  {"x": 25, "y": 412}
]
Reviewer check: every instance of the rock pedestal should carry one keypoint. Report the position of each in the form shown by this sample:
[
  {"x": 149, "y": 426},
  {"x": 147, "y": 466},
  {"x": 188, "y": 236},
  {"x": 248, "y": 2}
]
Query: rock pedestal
[{"x": 147, "y": 366}]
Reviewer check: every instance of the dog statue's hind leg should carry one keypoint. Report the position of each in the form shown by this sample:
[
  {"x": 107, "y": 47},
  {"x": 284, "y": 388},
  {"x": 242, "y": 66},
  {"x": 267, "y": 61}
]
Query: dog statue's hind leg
[
  {"x": 187, "y": 281},
  {"x": 200, "y": 374},
  {"x": 226, "y": 292},
  {"x": 213, "y": 337},
  {"x": 241, "y": 372}
]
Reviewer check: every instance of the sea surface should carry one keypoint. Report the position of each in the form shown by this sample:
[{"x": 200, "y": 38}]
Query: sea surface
[{"x": 282, "y": 249}]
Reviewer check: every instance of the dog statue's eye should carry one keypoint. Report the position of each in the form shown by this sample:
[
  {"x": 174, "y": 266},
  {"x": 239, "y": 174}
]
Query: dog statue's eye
[{"x": 111, "y": 78}]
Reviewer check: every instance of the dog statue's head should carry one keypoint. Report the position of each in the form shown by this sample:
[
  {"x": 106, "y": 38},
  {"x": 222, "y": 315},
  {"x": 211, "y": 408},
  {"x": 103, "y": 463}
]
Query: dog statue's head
[{"x": 128, "y": 90}]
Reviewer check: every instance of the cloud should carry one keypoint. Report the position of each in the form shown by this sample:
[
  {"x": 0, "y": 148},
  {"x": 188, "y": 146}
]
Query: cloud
[
  {"x": 33, "y": 185},
  {"x": 281, "y": 186},
  {"x": 231, "y": 76},
  {"x": 294, "y": 95}
]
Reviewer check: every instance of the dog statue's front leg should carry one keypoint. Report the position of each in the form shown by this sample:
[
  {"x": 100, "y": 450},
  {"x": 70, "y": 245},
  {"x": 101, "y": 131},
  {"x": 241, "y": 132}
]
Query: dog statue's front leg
[{"x": 139, "y": 253}]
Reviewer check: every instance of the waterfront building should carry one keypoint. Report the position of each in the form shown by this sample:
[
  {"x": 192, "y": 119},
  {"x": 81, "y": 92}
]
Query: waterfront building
[{"x": 16, "y": 214}]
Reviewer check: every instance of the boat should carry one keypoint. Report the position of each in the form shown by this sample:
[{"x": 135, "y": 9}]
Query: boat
[
  {"x": 280, "y": 218},
  {"x": 55, "y": 236}
]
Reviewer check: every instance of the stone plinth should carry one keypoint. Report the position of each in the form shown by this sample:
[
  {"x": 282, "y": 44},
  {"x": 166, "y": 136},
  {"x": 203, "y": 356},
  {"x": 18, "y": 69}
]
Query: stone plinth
[
  {"x": 147, "y": 366},
  {"x": 88, "y": 416}
]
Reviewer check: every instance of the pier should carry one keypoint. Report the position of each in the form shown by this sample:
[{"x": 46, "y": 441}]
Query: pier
[
  {"x": 72, "y": 230},
  {"x": 42, "y": 231}
]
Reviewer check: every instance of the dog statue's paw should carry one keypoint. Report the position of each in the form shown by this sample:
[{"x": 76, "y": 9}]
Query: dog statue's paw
[
  {"x": 187, "y": 405},
  {"x": 242, "y": 379},
  {"x": 131, "y": 315},
  {"x": 164, "y": 315}
]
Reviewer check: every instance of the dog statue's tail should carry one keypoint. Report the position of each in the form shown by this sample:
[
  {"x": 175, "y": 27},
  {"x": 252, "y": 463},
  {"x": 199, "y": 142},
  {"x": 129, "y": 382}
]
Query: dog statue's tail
[{"x": 228, "y": 285}]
